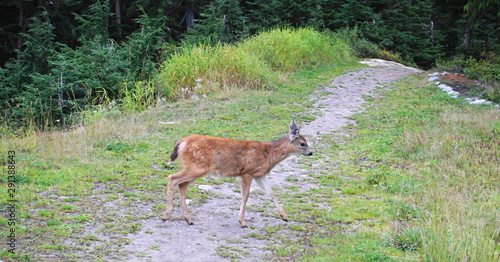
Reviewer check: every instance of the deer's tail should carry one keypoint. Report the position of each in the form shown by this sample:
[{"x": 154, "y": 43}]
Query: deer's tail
[{"x": 175, "y": 154}]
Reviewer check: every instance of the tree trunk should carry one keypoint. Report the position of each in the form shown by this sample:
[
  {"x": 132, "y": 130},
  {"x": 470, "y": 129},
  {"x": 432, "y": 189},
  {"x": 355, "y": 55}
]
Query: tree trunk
[
  {"x": 467, "y": 34},
  {"x": 118, "y": 12},
  {"x": 19, "y": 37},
  {"x": 189, "y": 8}
]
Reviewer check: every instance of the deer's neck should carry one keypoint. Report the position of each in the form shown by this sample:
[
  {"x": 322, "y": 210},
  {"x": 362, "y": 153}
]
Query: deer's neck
[{"x": 279, "y": 150}]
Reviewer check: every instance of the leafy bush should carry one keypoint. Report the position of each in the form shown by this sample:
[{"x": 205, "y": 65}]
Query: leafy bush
[{"x": 486, "y": 70}]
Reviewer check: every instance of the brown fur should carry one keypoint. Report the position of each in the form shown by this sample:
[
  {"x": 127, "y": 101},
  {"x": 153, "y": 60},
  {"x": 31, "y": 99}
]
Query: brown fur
[{"x": 201, "y": 155}]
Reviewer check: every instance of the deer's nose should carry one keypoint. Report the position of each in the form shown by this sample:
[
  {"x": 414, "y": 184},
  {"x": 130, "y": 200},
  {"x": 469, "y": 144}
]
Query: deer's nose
[{"x": 309, "y": 154}]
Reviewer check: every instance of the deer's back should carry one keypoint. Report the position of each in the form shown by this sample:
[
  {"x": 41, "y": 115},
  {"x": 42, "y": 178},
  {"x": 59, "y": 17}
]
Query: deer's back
[{"x": 224, "y": 157}]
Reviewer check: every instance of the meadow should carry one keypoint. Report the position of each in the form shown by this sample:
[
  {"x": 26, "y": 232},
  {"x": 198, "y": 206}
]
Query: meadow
[{"x": 426, "y": 165}]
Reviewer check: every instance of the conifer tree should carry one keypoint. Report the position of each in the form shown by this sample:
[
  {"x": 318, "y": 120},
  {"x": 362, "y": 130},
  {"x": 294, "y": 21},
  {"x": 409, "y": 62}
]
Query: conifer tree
[
  {"x": 30, "y": 93},
  {"x": 222, "y": 22}
]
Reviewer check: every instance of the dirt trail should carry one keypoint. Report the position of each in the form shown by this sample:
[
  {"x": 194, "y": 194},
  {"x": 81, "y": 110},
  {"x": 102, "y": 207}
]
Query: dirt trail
[{"x": 216, "y": 235}]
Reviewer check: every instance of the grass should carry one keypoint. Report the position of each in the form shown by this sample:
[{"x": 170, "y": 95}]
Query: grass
[
  {"x": 257, "y": 63},
  {"x": 292, "y": 49},
  {"x": 453, "y": 150}
]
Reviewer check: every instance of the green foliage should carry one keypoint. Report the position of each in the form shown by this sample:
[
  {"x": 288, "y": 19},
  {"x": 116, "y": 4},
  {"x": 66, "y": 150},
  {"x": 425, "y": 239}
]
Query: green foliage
[
  {"x": 254, "y": 63},
  {"x": 141, "y": 48},
  {"x": 95, "y": 24},
  {"x": 137, "y": 96},
  {"x": 361, "y": 47},
  {"x": 51, "y": 81},
  {"x": 293, "y": 49},
  {"x": 222, "y": 22},
  {"x": 486, "y": 70},
  {"x": 402, "y": 27},
  {"x": 28, "y": 91},
  {"x": 202, "y": 69}
]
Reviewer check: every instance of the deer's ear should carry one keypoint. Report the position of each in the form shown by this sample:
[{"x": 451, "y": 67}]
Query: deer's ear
[
  {"x": 294, "y": 131},
  {"x": 293, "y": 126}
]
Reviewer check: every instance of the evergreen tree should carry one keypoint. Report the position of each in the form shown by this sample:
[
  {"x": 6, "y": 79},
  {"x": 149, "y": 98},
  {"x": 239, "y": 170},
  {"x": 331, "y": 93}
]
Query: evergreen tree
[
  {"x": 30, "y": 93},
  {"x": 93, "y": 72},
  {"x": 222, "y": 22},
  {"x": 266, "y": 14},
  {"x": 143, "y": 46},
  {"x": 403, "y": 27}
]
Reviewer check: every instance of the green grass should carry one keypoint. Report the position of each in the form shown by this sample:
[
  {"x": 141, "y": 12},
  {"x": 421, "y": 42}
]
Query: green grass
[
  {"x": 260, "y": 62},
  {"x": 290, "y": 50}
]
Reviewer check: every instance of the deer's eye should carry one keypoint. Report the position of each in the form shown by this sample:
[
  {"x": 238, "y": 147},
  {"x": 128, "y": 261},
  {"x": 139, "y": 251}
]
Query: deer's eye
[{"x": 302, "y": 144}]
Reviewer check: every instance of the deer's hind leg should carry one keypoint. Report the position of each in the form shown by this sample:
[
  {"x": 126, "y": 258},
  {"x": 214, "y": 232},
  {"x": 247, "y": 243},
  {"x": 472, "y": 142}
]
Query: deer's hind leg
[
  {"x": 181, "y": 180},
  {"x": 172, "y": 184},
  {"x": 182, "y": 197}
]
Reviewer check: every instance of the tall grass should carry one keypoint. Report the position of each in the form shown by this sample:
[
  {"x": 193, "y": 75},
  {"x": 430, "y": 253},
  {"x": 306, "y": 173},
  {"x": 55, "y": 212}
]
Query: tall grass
[
  {"x": 293, "y": 49},
  {"x": 258, "y": 62},
  {"x": 202, "y": 69},
  {"x": 138, "y": 97}
]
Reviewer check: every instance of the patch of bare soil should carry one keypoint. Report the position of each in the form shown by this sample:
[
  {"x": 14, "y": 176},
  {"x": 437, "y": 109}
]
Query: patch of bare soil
[
  {"x": 216, "y": 234},
  {"x": 461, "y": 84}
]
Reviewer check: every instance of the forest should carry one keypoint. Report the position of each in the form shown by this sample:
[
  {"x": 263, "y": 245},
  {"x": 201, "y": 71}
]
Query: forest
[{"x": 58, "y": 58}]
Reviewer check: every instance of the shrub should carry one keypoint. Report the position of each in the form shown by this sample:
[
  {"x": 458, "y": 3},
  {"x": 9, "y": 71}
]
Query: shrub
[{"x": 486, "y": 70}]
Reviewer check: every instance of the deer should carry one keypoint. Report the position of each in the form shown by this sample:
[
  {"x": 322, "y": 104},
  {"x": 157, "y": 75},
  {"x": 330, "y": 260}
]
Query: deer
[{"x": 250, "y": 160}]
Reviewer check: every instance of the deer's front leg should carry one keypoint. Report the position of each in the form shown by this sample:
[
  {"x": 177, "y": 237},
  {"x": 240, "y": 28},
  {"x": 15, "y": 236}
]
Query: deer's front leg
[
  {"x": 262, "y": 181},
  {"x": 246, "y": 181}
]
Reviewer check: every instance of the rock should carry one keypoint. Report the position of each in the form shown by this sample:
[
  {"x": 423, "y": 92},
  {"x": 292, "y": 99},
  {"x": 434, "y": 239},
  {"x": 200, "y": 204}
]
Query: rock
[
  {"x": 478, "y": 101},
  {"x": 445, "y": 88},
  {"x": 206, "y": 187},
  {"x": 433, "y": 78}
]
